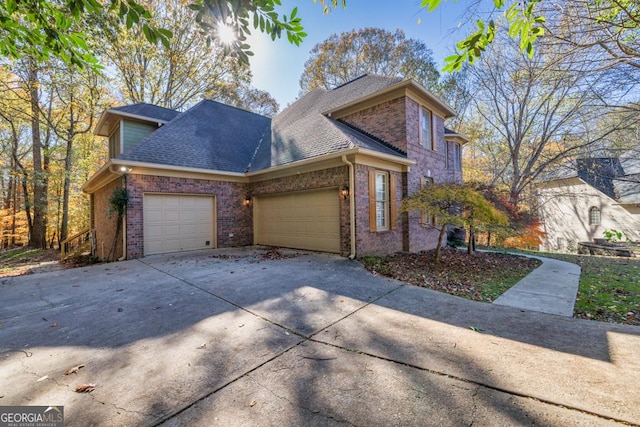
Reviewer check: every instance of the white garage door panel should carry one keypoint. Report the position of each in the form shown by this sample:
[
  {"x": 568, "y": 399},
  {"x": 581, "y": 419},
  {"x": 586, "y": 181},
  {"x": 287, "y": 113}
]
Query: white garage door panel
[
  {"x": 177, "y": 223},
  {"x": 305, "y": 220}
]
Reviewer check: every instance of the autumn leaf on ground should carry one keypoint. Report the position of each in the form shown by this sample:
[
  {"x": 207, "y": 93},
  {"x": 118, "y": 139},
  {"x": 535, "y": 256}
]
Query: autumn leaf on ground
[
  {"x": 74, "y": 370},
  {"x": 85, "y": 388}
]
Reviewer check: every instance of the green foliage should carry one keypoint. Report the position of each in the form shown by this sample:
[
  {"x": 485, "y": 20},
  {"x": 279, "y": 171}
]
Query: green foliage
[
  {"x": 613, "y": 235},
  {"x": 118, "y": 201},
  {"x": 240, "y": 15},
  {"x": 523, "y": 23},
  {"x": 456, "y": 204},
  {"x": 41, "y": 29}
]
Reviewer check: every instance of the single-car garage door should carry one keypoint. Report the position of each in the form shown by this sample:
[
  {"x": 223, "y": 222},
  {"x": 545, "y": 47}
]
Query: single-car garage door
[
  {"x": 302, "y": 220},
  {"x": 177, "y": 223}
]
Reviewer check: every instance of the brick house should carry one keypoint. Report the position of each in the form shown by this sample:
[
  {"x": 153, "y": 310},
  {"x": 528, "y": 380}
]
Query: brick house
[
  {"x": 582, "y": 199},
  {"x": 325, "y": 174}
]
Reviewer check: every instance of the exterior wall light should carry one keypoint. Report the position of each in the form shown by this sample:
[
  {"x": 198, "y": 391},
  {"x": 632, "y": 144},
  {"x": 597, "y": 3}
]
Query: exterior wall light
[
  {"x": 247, "y": 200},
  {"x": 344, "y": 191}
]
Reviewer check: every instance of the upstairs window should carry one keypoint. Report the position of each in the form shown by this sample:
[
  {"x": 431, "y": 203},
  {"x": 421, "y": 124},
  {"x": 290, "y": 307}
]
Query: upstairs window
[
  {"x": 448, "y": 155},
  {"x": 457, "y": 156},
  {"x": 594, "y": 216},
  {"x": 114, "y": 143},
  {"x": 382, "y": 201},
  {"x": 426, "y": 129}
]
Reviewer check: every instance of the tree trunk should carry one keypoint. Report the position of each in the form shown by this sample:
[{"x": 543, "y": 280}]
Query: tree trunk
[
  {"x": 436, "y": 255},
  {"x": 37, "y": 237},
  {"x": 67, "y": 184},
  {"x": 471, "y": 247}
]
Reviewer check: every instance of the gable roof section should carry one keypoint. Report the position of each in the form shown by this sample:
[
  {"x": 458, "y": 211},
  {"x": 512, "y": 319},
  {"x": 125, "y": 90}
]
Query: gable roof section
[
  {"x": 140, "y": 111},
  {"x": 357, "y": 93},
  {"x": 618, "y": 178},
  {"x": 210, "y": 135},
  {"x": 303, "y": 131}
]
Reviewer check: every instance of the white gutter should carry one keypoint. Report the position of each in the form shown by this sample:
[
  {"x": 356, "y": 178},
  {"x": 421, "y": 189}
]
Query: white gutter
[
  {"x": 340, "y": 154},
  {"x": 352, "y": 207},
  {"x": 133, "y": 164}
]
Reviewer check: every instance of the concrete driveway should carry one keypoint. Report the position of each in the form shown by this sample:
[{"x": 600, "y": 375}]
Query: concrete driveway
[{"x": 228, "y": 338}]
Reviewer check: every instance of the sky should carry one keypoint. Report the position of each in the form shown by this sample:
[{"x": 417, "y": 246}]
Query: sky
[{"x": 278, "y": 65}]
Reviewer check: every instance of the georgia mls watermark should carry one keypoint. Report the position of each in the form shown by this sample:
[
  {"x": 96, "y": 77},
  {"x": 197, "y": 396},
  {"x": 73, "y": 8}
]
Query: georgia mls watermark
[{"x": 31, "y": 416}]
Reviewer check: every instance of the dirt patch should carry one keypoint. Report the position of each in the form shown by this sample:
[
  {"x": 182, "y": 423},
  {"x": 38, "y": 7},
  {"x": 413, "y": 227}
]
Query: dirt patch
[
  {"x": 21, "y": 261},
  {"x": 481, "y": 276}
]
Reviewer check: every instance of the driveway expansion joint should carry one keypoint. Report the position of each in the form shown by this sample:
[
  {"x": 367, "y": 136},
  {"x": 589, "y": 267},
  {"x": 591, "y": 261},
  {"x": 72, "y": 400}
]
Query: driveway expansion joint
[{"x": 478, "y": 384}]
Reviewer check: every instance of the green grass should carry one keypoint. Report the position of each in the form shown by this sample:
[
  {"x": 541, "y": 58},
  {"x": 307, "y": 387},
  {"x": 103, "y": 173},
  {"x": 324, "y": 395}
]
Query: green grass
[
  {"x": 13, "y": 259},
  {"x": 609, "y": 288},
  {"x": 17, "y": 254}
]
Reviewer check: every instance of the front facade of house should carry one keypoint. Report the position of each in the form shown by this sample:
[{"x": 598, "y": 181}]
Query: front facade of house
[
  {"x": 589, "y": 197},
  {"x": 327, "y": 174}
]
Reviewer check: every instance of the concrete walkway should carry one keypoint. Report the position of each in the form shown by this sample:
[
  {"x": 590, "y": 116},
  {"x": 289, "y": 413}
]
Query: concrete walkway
[{"x": 550, "y": 288}]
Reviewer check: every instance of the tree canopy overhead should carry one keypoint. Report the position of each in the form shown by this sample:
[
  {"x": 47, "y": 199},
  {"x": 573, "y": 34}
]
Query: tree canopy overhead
[
  {"x": 42, "y": 29},
  {"x": 346, "y": 56}
]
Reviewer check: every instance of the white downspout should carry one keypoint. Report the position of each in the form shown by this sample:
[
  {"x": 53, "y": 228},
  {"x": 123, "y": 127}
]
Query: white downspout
[{"x": 352, "y": 207}]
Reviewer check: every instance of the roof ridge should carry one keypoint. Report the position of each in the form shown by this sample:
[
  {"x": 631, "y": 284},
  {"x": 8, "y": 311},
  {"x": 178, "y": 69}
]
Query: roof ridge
[
  {"x": 372, "y": 136},
  {"x": 351, "y": 81},
  {"x": 244, "y": 110},
  {"x": 258, "y": 145}
]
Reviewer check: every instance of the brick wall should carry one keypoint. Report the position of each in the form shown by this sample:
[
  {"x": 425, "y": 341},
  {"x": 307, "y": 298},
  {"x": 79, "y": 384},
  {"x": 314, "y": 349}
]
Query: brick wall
[
  {"x": 231, "y": 215},
  {"x": 386, "y": 121},
  {"x": 398, "y": 123},
  {"x": 333, "y": 177},
  {"x": 429, "y": 163},
  {"x": 378, "y": 242},
  {"x": 104, "y": 222}
]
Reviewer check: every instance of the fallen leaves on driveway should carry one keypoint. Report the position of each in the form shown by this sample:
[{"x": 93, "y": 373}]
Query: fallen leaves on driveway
[
  {"x": 85, "y": 388},
  {"x": 74, "y": 370}
]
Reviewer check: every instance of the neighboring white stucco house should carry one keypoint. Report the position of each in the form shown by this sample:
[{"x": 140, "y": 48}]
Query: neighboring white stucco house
[{"x": 583, "y": 199}]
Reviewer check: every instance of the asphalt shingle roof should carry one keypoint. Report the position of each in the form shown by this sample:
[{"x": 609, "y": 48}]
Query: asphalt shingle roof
[
  {"x": 216, "y": 136},
  {"x": 618, "y": 178},
  {"x": 210, "y": 135},
  {"x": 148, "y": 110},
  {"x": 302, "y": 131}
]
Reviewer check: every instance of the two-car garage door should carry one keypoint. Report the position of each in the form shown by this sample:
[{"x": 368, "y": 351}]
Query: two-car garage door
[
  {"x": 174, "y": 223},
  {"x": 303, "y": 220}
]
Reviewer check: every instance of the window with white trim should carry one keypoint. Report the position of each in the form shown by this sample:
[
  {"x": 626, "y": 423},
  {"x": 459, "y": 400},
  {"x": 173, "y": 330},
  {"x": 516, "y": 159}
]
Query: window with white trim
[
  {"x": 382, "y": 201},
  {"x": 426, "y": 129},
  {"x": 457, "y": 156},
  {"x": 447, "y": 157}
]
